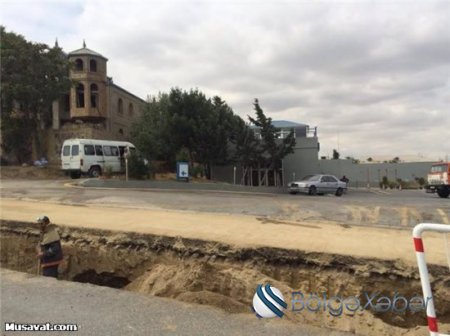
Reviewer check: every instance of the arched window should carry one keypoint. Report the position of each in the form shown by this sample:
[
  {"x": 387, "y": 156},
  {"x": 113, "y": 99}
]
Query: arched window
[
  {"x": 80, "y": 95},
  {"x": 120, "y": 106},
  {"x": 93, "y": 65},
  {"x": 79, "y": 64},
  {"x": 94, "y": 95},
  {"x": 130, "y": 110}
]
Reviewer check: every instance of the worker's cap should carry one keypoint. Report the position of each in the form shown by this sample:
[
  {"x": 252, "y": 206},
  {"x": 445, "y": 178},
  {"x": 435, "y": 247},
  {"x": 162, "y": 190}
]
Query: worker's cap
[{"x": 43, "y": 220}]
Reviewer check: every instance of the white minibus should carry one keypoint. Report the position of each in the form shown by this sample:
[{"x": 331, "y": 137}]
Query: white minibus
[{"x": 92, "y": 157}]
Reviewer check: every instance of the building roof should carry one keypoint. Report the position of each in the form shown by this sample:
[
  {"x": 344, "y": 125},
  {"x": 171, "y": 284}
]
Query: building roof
[
  {"x": 285, "y": 123},
  {"x": 110, "y": 82},
  {"x": 86, "y": 52}
]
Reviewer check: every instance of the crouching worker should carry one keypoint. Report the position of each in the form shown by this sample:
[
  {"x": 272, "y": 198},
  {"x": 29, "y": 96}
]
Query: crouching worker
[{"x": 49, "y": 249}]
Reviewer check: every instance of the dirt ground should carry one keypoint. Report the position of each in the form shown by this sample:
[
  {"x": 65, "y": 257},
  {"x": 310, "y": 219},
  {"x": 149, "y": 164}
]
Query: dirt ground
[
  {"x": 238, "y": 230},
  {"x": 225, "y": 276},
  {"x": 55, "y": 172},
  {"x": 31, "y": 172},
  {"x": 217, "y": 259}
]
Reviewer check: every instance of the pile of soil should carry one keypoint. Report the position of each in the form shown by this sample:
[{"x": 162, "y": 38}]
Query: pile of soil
[{"x": 225, "y": 276}]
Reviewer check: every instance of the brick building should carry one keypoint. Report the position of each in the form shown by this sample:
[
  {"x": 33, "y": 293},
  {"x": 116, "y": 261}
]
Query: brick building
[{"x": 94, "y": 108}]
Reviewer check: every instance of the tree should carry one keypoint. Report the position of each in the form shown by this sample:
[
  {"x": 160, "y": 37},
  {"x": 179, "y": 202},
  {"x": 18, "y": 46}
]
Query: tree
[
  {"x": 152, "y": 133},
  {"x": 189, "y": 122},
  {"x": 204, "y": 126},
  {"x": 272, "y": 150},
  {"x": 351, "y": 158},
  {"x": 336, "y": 154},
  {"x": 247, "y": 148},
  {"x": 33, "y": 76},
  {"x": 369, "y": 159},
  {"x": 395, "y": 160}
]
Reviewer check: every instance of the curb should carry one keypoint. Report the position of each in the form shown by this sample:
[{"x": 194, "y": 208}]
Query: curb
[{"x": 81, "y": 185}]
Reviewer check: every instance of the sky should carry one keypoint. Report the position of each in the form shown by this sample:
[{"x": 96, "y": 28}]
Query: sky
[{"x": 373, "y": 76}]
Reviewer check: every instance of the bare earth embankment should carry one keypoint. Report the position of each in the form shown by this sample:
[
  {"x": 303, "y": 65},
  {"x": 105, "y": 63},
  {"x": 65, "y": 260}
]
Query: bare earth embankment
[{"x": 219, "y": 259}]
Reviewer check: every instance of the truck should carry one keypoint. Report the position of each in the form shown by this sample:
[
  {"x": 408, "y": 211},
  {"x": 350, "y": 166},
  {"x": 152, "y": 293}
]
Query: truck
[
  {"x": 92, "y": 156},
  {"x": 438, "y": 179}
]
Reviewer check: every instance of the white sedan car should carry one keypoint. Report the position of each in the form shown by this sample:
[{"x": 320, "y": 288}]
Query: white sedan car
[{"x": 318, "y": 184}]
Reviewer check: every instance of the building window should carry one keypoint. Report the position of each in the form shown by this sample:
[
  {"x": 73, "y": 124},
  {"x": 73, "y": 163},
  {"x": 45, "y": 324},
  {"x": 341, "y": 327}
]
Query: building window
[
  {"x": 80, "y": 95},
  {"x": 121, "y": 131},
  {"x": 120, "y": 106},
  {"x": 130, "y": 110},
  {"x": 93, "y": 65},
  {"x": 94, "y": 95},
  {"x": 79, "y": 64}
]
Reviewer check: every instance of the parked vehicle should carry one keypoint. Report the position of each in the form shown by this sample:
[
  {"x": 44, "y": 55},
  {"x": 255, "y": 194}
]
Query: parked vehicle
[
  {"x": 93, "y": 157},
  {"x": 317, "y": 185},
  {"x": 438, "y": 179}
]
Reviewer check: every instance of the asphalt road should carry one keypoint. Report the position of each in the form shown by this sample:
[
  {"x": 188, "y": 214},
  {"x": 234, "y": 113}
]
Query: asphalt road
[
  {"x": 375, "y": 207},
  {"x": 105, "y": 311}
]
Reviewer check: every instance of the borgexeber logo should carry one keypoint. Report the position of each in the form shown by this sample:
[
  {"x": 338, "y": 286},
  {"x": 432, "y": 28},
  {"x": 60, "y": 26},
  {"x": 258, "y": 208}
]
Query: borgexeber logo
[{"x": 268, "y": 302}]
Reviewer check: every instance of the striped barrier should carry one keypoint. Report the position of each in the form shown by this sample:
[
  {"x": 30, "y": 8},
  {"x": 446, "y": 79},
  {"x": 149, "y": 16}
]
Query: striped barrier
[{"x": 423, "y": 270}]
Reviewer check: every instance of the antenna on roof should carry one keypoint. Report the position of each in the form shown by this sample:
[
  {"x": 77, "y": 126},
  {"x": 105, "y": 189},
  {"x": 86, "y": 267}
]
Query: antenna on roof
[{"x": 84, "y": 43}]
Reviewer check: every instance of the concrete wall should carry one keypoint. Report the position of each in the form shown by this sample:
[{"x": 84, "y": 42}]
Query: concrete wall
[
  {"x": 226, "y": 174},
  {"x": 364, "y": 174},
  {"x": 302, "y": 162}
]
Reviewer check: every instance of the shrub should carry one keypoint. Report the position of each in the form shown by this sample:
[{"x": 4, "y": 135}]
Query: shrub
[
  {"x": 421, "y": 181},
  {"x": 182, "y": 155},
  {"x": 385, "y": 182},
  {"x": 392, "y": 185},
  {"x": 108, "y": 172},
  {"x": 197, "y": 171},
  {"x": 137, "y": 168},
  {"x": 3, "y": 161}
]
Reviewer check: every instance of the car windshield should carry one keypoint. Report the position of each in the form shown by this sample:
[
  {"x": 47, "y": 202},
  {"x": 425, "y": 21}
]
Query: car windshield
[{"x": 311, "y": 178}]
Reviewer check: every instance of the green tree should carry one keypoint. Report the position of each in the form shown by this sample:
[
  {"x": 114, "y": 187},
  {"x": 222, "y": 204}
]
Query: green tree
[
  {"x": 351, "y": 158},
  {"x": 188, "y": 122},
  {"x": 247, "y": 149},
  {"x": 214, "y": 135},
  {"x": 336, "y": 154},
  {"x": 272, "y": 149},
  {"x": 152, "y": 134},
  {"x": 33, "y": 76}
]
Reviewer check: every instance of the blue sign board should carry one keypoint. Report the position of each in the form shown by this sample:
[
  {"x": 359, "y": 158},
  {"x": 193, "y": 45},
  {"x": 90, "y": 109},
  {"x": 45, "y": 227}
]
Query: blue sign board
[{"x": 182, "y": 171}]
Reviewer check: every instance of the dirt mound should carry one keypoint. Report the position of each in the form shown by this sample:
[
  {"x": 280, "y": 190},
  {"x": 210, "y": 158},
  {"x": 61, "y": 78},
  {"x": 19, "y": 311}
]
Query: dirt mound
[{"x": 224, "y": 276}]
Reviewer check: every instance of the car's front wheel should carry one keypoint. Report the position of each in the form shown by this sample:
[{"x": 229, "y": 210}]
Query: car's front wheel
[
  {"x": 339, "y": 192},
  {"x": 443, "y": 192},
  {"x": 312, "y": 190}
]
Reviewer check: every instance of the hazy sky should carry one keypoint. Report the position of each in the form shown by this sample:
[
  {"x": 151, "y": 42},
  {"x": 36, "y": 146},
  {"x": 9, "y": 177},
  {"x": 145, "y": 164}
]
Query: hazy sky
[{"x": 374, "y": 76}]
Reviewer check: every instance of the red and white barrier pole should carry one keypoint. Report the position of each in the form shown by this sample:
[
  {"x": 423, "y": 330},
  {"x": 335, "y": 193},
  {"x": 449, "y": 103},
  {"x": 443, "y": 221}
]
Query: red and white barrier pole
[{"x": 423, "y": 270}]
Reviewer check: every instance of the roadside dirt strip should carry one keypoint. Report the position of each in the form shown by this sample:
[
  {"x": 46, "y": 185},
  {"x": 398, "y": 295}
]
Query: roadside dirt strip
[
  {"x": 237, "y": 230},
  {"x": 219, "y": 259}
]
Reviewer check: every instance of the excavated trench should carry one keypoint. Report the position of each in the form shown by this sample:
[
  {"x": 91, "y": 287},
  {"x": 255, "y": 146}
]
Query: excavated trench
[{"x": 224, "y": 276}]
